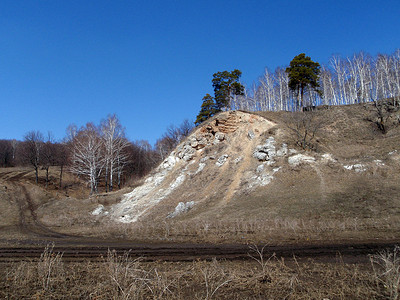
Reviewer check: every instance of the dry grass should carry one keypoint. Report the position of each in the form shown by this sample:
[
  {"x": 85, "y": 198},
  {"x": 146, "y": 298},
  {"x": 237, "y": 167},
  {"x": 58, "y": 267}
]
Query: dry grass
[
  {"x": 264, "y": 277},
  {"x": 276, "y": 230},
  {"x": 386, "y": 266}
]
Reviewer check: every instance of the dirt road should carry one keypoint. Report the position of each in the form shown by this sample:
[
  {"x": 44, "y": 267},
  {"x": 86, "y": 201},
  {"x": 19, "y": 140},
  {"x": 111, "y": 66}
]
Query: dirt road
[{"x": 78, "y": 249}]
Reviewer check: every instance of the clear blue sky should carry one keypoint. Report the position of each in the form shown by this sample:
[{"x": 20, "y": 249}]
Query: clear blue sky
[{"x": 151, "y": 62}]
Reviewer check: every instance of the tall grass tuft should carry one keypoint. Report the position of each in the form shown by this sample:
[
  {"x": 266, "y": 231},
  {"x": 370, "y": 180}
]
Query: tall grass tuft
[{"x": 386, "y": 266}]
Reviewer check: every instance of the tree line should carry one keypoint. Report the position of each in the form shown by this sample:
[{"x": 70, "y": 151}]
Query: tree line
[
  {"x": 304, "y": 83},
  {"x": 357, "y": 79},
  {"x": 99, "y": 154}
]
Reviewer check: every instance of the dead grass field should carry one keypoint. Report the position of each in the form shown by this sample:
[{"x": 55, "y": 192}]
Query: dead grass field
[{"x": 263, "y": 276}]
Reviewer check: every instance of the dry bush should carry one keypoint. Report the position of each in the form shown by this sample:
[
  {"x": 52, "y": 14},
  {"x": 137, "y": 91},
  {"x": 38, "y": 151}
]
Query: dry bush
[
  {"x": 386, "y": 114},
  {"x": 212, "y": 277},
  {"x": 129, "y": 279},
  {"x": 304, "y": 127},
  {"x": 44, "y": 276},
  {"x": 386, "y": 266},
  {"x": 50, "y": 267}
]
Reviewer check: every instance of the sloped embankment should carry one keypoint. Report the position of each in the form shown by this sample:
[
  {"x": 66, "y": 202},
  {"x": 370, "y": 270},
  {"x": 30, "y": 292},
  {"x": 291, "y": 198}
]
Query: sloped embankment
[
  {"x": 243, "y": 167},
  {"x": 228, "y": 157},
  {"x": 214, "y": 162}
]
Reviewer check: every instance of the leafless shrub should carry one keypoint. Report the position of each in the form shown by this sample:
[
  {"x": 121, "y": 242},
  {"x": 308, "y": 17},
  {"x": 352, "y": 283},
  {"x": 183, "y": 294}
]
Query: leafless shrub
[
  {"x": 126, "y": 275},
  {"x": 386, "y": 114},
  {"x": 21, "y": 274},
  {"x": 386, "y": 266},
  {"x": 304, "y": 127},
  {"x": 258, "y": 255},
  {"x": 50, "y": 267},
  {"x": 130, "y": 279},
  {"x": 213, "y": 276}
]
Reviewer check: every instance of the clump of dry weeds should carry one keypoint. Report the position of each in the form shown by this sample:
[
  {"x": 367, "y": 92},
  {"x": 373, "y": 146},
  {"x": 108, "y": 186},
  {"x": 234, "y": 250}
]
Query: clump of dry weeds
[{"x": 386, "y": 266}]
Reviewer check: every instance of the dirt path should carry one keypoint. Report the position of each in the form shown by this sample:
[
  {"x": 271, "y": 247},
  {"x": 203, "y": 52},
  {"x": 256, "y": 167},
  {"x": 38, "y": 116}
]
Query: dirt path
[
  {"x": 96, "y": 250},
  {"x": 244, "y": 164},
  {"x": 28, "y": 222}
]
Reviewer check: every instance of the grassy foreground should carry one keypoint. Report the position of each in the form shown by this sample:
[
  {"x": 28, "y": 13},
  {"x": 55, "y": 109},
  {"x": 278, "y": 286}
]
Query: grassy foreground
[{"x": 264, "y": 276}]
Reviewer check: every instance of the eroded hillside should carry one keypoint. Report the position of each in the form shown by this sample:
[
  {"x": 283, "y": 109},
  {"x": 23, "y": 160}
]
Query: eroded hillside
[
  {"x": 243, "y": 177},
  {"x": 241, "y": 166}
]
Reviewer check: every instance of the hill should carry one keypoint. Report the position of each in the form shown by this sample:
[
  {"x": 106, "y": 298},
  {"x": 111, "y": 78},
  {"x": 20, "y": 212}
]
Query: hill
[{"x": 257, "y": 177}]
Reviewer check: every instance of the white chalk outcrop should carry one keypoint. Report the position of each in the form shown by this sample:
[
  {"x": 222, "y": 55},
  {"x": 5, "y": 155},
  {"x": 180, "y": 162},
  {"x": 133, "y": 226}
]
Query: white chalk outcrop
[{"x": 226, "y": 156}]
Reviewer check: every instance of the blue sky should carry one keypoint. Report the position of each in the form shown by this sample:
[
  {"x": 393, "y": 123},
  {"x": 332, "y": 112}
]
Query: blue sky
[{"x": 151, "y": 62}]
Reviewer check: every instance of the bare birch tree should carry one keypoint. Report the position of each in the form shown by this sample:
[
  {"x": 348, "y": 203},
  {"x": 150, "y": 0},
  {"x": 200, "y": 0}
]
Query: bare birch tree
[
  {"x": 87, "y": 155},
  {"x": 113, "y": 136}
]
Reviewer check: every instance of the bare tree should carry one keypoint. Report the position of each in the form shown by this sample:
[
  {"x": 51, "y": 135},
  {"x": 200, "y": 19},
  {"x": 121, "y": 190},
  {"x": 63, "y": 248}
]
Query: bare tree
[
  {"x": 6, "y": 153},
  {"x": 113, "y": 135},
  {"x": 61, "y": 158},
  {"x": 31, "y": 148},
  {"x": 304, "y": 126},
  {"x": 172, "y": 137},
  {"x": 87, "y": 156},
  {"x": 48, "y": 156}
]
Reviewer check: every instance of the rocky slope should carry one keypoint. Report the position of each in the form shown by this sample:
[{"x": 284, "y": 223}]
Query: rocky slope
[{"x": 242, "y": 165}]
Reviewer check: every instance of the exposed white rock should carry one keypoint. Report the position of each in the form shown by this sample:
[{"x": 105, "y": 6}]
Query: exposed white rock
[
  {"x": 267, "y": 151},
  {"x": 327, "y": 157},
  {"x": 251, "y": 135},
  {"x": 262, "y": 177},
  {"x": 186, "y": 152},
  {"x": 204, "y": 159},
  {"x": 142, "y": 198},
  {"x": 219, "y": 136},
  {"x": 238, "y": 159},
  {"x": 221, "y": 160},
  {"x": 269, "y": 146},
  {"x": 181, "y": 208},
  {"x": 178, "y": 181},
  {"x": 283, "y": 151},
  {"x": 98, "y": 210},
  {"x": 297, "y": 159},
  {"x": 379, "y": 163},
  {"x": 169, "y": 162},
  {"x": 357, "y": 168},
  {"x": 200, "y": 168},
  {"x": 261, "y": 156},
  {"x": 168, "y": 178}
]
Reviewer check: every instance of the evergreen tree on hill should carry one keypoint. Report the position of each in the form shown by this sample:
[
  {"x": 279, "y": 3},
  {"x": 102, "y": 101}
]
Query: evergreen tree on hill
[
  {"x": 208, "y": 109},
  {"x": 225, "y": 85},
  {"x": 303, "y": 73}
]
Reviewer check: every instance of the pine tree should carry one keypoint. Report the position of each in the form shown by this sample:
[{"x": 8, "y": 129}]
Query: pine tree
[
  {"x": 208, "y": 109},
  {"x": 225, "y": 85},
  {"x": 303, "y": 73}
]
